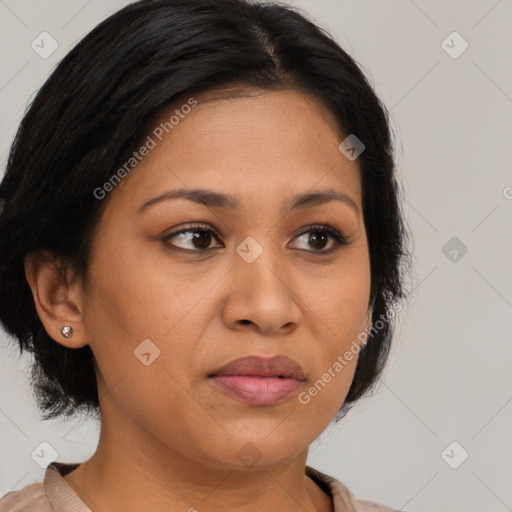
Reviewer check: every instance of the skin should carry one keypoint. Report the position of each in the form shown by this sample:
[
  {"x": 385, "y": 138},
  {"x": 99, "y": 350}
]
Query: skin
[{"x": 169, "y": 439}]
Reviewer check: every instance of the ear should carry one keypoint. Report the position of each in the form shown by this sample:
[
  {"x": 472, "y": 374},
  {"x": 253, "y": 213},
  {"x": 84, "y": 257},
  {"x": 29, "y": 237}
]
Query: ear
[{"x": 57, "y": 297}]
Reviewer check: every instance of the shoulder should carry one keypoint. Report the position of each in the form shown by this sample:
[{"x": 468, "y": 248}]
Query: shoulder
[
  {"x": 31, "y": 498},
  {"x": 343, "y": 498},
  {"x": 47, "y": 496}
]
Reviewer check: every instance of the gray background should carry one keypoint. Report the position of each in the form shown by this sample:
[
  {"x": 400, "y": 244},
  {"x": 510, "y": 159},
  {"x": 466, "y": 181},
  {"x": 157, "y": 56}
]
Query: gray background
[{"x": 448, "y": 377}]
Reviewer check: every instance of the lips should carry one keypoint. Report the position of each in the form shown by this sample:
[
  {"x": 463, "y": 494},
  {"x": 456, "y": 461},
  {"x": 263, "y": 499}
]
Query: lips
[
  {"x": 259, "y": 381},
  {"x": 277, "y": 366}
]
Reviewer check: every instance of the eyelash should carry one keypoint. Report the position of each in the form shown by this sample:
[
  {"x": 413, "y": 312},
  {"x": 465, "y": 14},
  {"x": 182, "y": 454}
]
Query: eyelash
[{"x": 339, "y": 239}]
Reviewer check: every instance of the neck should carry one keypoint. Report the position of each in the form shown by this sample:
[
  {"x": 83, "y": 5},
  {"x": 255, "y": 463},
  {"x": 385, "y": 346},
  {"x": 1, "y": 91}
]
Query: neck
[{"x": 132, "y": 471}]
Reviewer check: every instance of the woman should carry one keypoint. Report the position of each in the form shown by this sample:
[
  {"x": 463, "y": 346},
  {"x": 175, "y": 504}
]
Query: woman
[{"x": 201, "y": 243}]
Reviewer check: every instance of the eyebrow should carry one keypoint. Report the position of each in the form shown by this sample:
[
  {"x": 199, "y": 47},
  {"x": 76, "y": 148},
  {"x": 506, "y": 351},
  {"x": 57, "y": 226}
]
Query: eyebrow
[{"x": 213, "y": 199}]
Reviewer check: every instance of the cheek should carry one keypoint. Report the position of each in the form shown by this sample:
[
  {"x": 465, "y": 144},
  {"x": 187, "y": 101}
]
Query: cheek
[
  {"x": 135, "y": 297},
  {"x": 339, "y": 307},
  {"x": 338, "y": 301},
  {"x": 326, "y": 390},
  {"x": 143, "y": 347},
  {"x": 141, "y": 323}
]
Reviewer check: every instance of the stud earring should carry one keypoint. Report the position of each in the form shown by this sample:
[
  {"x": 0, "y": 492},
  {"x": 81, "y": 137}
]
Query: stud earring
[{"x": 67, "y": 331}]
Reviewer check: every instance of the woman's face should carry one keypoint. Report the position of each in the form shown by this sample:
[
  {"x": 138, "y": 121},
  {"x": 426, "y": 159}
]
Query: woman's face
[{"x": 250, "y": 280}]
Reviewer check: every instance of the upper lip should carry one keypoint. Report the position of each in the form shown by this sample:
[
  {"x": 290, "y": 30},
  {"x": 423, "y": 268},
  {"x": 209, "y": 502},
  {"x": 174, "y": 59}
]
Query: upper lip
[{"x": 277, "y": 366}]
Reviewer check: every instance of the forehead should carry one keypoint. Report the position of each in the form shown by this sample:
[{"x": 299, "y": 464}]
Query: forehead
[{"x": 254, "y": 145}]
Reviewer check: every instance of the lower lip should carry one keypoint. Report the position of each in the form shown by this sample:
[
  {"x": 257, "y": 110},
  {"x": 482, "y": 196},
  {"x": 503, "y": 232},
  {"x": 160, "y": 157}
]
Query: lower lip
[{"x": 258, "y": 390}]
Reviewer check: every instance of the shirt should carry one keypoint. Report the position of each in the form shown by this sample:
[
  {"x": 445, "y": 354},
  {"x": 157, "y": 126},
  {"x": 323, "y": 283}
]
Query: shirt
[{"x": 54, "y": 494}]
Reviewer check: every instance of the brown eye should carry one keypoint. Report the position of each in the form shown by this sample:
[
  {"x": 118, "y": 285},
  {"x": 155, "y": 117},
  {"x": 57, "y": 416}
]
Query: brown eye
[
  {"x": 194, "y": 239},
  {"x": 318, "y": 238}
]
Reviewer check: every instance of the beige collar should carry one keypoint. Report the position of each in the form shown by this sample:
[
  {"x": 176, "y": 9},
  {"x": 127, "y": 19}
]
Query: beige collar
[{"x": 64, "y": 499}]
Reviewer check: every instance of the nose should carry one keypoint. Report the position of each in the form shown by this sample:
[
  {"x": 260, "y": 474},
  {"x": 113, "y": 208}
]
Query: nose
[{"x": 265, "y": 295}]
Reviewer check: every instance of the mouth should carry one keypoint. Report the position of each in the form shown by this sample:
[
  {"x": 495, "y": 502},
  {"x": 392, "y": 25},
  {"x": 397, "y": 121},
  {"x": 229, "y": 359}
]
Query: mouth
[{"x": 259, "y": 381}]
